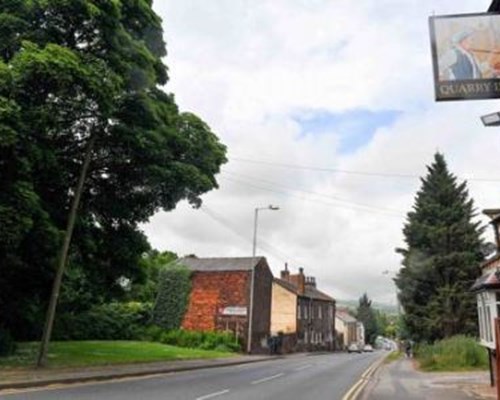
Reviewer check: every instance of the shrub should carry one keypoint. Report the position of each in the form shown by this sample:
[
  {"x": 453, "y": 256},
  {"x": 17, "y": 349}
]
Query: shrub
[
  {"x": 111, "y": 321},
  {"x": 457, "y": 353},
  {"x": 7, "y": 344},
  {"x": 220, "y": 341},
  {"x": 173, "y": 293}
]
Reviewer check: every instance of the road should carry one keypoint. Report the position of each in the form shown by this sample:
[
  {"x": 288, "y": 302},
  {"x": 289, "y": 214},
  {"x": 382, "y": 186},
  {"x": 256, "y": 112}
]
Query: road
[{"x": 325, "y": 376}]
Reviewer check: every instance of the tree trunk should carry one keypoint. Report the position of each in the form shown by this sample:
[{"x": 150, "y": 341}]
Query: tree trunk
[{"x": 63, "y": 256}]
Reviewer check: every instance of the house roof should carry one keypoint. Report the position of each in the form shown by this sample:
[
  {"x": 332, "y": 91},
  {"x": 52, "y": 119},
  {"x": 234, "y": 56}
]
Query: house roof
[
  {"x": 344, "y": 316},
  {"x": 220, "y": 263},
  {"x": 492, "y": 212},
  {"x": 489, "y": 280},
  {"x": 490, "y": 261},
  {"x": 309, "y": 292}
]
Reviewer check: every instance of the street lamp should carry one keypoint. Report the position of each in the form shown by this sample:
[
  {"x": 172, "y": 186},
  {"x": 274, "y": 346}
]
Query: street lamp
[
  {"x": 491, "y": 119},
  {"x": 256, "y": 218},
  {"x": 252, "y": 279}
]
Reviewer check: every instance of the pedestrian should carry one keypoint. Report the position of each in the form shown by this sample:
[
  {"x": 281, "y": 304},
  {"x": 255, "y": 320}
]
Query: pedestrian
[{"x": 408, "y": 349}]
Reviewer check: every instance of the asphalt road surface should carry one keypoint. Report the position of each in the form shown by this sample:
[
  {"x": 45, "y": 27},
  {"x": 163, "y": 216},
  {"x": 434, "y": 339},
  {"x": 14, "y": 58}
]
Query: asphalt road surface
[{"x": 308, "y": 377}]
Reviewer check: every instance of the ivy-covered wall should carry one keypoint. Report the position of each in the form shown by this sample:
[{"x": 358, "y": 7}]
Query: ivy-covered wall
[{"x": 173, "y": 293}]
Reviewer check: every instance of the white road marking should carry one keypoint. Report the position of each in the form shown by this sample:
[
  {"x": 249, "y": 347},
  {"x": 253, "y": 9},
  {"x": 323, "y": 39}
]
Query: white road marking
[
  {"x": 209, "y": 396},
  {"x": 269, "y": 378},
  {"x": 303, "y": 367}
]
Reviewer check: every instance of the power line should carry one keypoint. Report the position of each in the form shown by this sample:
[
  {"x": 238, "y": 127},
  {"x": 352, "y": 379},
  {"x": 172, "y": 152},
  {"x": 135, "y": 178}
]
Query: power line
[
  {"x": 330, "y": 197},
  {"x": 324, "y": 169},
  {"x": 349, "y": 172},
  {"x": 263, "y": 244},
  {"x": 349, "y": 207}
]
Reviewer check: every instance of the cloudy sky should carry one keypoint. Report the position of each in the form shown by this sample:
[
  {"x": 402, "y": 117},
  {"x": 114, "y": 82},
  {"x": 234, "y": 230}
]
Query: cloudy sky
[{"x": 327, "y": 108}]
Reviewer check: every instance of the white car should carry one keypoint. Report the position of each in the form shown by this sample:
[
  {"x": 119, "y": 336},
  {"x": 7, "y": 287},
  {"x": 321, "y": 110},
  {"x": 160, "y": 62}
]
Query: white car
[
  {"x": 354, "y": 348},
  {"x": 368, "y": 348}
]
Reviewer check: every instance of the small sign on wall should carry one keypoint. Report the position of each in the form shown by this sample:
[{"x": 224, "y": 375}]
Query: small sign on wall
[{"x": 234, "y": 311}]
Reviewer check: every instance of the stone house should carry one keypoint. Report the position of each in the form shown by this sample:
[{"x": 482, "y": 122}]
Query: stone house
[
  {"x": 347, "y": 328},
  {"x": 302, "y": 314},
  {"x": 220, "y": 298}
]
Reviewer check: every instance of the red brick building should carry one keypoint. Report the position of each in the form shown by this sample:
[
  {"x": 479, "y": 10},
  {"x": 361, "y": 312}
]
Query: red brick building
[{"x": 220, "y": 297}]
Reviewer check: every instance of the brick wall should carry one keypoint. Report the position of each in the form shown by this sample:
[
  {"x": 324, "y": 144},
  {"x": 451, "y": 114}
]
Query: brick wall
[{"x": 212, "y": 291}]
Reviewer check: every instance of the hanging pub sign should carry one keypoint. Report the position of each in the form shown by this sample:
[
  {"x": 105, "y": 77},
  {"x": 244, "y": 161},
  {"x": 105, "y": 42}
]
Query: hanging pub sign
[{"x": 466, "y": 56}]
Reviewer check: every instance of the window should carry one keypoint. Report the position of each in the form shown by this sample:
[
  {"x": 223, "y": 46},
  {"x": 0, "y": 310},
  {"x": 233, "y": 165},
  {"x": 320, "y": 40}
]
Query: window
[
  {"x": 320, "y": 316},
  {"x": 481, "y": 320},
  {"x": 489, "y": 335},
  {"x": 299, "y": 311},
  {"x": 305, "y": 311},
  {"x": 487, "y": 308},
  {"x": 497, "y": 298}
]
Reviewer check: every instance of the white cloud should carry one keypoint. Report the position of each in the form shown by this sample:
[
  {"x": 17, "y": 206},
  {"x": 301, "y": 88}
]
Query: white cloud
[{"x": 247, "y": 67}]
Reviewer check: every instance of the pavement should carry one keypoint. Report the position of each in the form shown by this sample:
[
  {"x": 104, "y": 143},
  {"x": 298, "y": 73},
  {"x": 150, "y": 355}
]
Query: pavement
[{"x": 401, "y": 380}]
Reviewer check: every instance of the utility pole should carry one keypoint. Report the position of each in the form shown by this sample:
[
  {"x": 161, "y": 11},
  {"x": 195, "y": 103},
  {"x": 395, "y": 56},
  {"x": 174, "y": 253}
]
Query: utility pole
[{"x": 252, "y": 274}]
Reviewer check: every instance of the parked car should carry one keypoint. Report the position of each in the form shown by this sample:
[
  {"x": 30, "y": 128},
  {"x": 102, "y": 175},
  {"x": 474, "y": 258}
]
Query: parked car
[
  {"x": 354, "y": 348},
  {"x": 368, "y": 348}
]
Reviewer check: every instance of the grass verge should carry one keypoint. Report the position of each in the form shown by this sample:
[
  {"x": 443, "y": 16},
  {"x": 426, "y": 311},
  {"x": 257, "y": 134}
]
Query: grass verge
[
  {"x": 393, "y": 356},
  {"x": 459, "y": 353},
  {"x": 92, "y": 353}
]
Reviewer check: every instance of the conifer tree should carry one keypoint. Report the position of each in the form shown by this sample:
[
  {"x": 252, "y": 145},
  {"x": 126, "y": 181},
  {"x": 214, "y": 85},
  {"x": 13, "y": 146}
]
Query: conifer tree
[
  {"x": 366, "y": 314},
  {"x": 441, "y": 258}
]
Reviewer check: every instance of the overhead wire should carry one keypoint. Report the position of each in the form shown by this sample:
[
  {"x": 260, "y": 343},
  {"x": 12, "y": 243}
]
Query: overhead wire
[
  {"x": 330, "y": 204},
  {"x": 323, "y": 169},
  {"x": 330, "y": 197},
  {"x": 350, "y": 172},
  {"x": 271, "y": 249}
]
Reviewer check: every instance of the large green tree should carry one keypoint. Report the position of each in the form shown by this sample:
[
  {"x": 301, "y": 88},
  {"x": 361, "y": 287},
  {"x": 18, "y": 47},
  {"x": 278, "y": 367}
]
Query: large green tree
[
  {"x": 84, "y": 77},
  {"x": 441, "y": 258}
]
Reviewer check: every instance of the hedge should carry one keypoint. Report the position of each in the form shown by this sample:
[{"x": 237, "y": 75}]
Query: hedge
[
  {"x": 7, "y": 344},
  {"x": 220, "y": 341},
  {"x": 111, "y": 321}
]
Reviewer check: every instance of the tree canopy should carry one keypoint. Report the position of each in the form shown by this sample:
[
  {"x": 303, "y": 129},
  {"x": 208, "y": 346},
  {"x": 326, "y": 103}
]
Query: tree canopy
[
  {"x": 77, "y": 76},
  {"x": 441, "y": 258}
]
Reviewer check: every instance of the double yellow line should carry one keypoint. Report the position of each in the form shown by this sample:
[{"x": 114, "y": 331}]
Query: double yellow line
[{"x": 358, "y": 387}]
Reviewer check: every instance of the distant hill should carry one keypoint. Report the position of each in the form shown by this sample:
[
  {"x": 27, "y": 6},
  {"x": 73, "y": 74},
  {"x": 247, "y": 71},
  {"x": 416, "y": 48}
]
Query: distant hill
[{"x": 383, "y": 307}]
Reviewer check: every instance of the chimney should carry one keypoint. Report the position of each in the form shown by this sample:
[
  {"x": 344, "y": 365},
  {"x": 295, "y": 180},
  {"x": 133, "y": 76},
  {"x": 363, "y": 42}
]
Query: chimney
[
  {"x": 285, "y": 274},
  {"x": 301, "y": 281},
  {"x": 311, "y": 282}
]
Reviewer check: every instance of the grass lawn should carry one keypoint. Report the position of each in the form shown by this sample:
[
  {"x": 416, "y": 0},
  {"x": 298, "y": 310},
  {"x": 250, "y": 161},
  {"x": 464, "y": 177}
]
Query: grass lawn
[{"x": 89, "y": 353}]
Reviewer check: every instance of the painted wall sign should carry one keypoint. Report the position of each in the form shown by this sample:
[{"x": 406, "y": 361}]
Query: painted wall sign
[
  {"x": 236, "y": 311},
  {"x": 466, "y": 56}
]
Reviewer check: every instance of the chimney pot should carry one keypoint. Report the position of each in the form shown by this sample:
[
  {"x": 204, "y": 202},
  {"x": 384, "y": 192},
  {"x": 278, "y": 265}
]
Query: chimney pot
[
  {"x": 301, "y": 284},
  {"x": 285, "y": 274}
]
